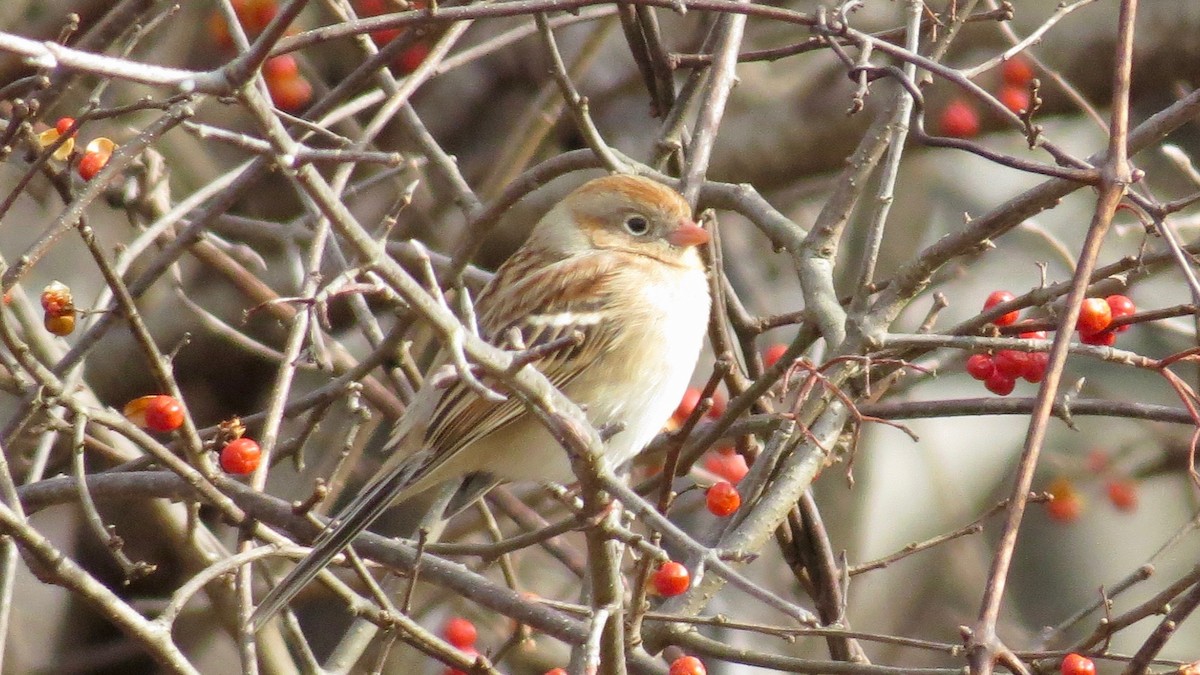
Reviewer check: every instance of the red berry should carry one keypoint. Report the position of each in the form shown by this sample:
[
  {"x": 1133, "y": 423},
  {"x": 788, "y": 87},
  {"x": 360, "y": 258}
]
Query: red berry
[
  {"x": 687, "y": 665},
  {"x": 723, "y": 499},
  {"x": 240, "y": 456},
  {"x": 980, "y": 366},
  {"x": 1010, "y": 363},
  {"x": 773, "y": 354},
  {"x": 1094, "y": 316},
  {"x": 163, "y": 414},
  {"x": 281, "y": 67},
  {"x": 384, "y": 35},
  {"x": 218, "y": 31},
  {"x": 1067, "y": 504},
  {"x": 411, "y": 58},
  {"x": 90, "y": 164},
  {"x": 671, "y": 578},
  {"x": 1033, "y": 335},
  {"x": 727, "y": 464},
  {"x": 1105, "y": 338},
  {"x": 290, "y": 93},
  {"x": 1000, "y": 297},
  {"x": 1122, "y": 492},
  {"x": 691, "y": 398},
  {"x": 460, "y": 632},
  {"x": 1121, "y": 306},
  {"x": 1017, "y": 72},
  {"x": 557, "y": 671},
  {"x": 63, "y": 124},
  {"x": 959, "y": 120},
  {"x": 1035, "y": 366},
  {"x": 1015, "y": 99},
  {"x": 719, "y": 403},
  {"x": 1074, "y": 664},
  {"x": 1000, "y": 384}
]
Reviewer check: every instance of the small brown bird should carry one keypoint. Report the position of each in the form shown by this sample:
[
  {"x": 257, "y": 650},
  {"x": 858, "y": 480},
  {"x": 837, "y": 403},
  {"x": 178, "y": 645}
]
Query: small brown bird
[{"x": 616, "y": 260}]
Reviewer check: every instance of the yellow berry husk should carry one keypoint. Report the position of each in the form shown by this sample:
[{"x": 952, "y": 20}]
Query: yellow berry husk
[{"x": 60, "y": 324}]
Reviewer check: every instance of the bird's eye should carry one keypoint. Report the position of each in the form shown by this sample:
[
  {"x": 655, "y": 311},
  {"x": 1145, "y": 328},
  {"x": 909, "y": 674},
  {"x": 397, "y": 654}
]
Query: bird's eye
[{"x": 637, "y": 225}]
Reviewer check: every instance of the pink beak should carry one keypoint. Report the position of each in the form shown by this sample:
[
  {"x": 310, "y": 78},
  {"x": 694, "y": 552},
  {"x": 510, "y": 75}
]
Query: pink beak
[{"x": 688, "y": 234}]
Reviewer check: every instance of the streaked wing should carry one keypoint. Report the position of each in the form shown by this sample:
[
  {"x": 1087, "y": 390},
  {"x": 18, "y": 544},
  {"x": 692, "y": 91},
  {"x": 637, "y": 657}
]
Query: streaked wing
[
  {"x": 543, "y": 303},
  {"x": 542, "y": 306}
]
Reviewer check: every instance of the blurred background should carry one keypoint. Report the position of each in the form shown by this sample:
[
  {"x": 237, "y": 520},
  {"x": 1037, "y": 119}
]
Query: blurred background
[{"x": 493, "y": 106}]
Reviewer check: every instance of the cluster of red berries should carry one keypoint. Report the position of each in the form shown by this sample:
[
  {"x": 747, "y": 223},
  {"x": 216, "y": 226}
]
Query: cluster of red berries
[
  {"x": 726, "y": 463},
  {"x": 95, "y": 154},
  {"x": 59, "y": 309},
  {"x": 999, "y": 372},
  {"x": 289, "y": 90},
  {"x": 253, "y": 15},
  {"x": 411, "y": 56},
  {"x": 162, "y": 414},
  {"x": 1068, "y": 503},
  {"x": 960, "y": 117}
]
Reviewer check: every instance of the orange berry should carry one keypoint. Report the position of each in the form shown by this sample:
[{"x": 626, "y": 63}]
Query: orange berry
[
  {"x": 163, "y": 414},
  {"x": 1067, "y": 505},
  {"x": 1017, "y": 72},
  {"x": 727, "y": 464},
  {"x": 1094, "y": 316},
  {"x": 56, "y": 298},
  {"x": 1122, "y": 492},
  {"x": 691, "y": 398},
  {"x": 290, "y": 93},
  {"x": 773, "y": 354},
  {"x": 240, "y": 456},
  {"x": 90, "y": 165},
  {"x": 687, "y": 665},
  {"x": 1015, "y": 99},
  {"x": 1074, "y": 664},
  {"x": 723, "y": 499},
  {"x": 719, "y": 403},
  {"x": 281, "y": 67},
  {"x": 671, "y": 579},
  {"x": 60, "y": 324},
  {"x": 218, "y": 31},
  {"x": 156, "y": 412},
  {"x": 1121, "y": 306}
]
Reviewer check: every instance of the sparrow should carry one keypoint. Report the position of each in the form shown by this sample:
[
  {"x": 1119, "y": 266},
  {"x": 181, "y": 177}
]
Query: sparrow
[{"x": 615, "y": 260}]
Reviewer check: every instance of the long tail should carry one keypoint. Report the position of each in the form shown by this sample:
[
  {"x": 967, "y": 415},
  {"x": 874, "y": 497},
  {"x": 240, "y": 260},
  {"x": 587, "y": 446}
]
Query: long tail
[{"x": 356, "y": 517}]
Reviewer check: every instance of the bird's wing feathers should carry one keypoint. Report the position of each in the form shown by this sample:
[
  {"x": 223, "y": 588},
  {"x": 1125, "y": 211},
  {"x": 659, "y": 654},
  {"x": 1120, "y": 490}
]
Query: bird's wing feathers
[
  {"x": 542, "y": 306},
  {"x": 543, "y": 303}
]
